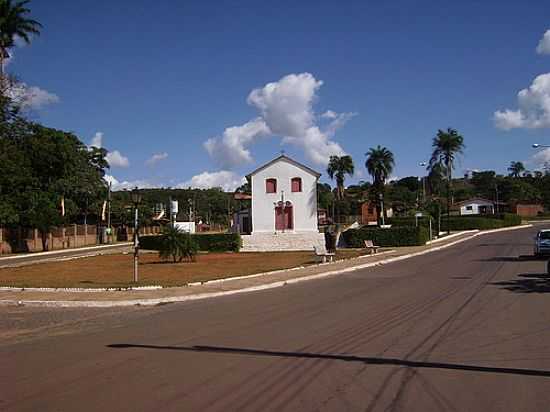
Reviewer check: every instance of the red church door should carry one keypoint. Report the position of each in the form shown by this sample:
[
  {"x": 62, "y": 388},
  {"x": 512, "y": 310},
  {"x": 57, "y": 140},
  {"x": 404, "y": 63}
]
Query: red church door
[{"x": 283, "y": 217}]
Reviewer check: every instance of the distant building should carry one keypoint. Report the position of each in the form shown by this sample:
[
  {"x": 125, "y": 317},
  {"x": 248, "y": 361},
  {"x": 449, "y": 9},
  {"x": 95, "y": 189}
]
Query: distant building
[
  {"x": 368, "y": 214},
  {"x": 528, "y": 210},
  {"x": 476, "y": 206}
]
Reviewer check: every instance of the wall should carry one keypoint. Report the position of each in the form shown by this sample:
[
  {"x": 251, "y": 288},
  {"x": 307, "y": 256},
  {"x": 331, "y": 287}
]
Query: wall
[
  {"x": 68, "y": 237},
  {"x": 529, "y": 210},
  {"x": 304, "y": 203}
]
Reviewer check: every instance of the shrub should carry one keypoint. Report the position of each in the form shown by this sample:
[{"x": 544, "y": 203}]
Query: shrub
[
  {"x": 394, "y": 236},
  {"x": 480, "y": 222},
  {"x": 215, "y": 242},
  {"x": 423, "y": 221},
  {"x": 177, "y": 244},
  {"x": 218, "y": 242}
]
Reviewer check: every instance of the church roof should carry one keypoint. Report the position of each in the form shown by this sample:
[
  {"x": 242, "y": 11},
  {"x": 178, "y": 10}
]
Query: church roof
[{"x": 288, "y": 160}]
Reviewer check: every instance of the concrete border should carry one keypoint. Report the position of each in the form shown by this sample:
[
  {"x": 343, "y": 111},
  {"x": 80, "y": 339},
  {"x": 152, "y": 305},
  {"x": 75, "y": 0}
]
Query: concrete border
[{"x": 200, "y": 296}]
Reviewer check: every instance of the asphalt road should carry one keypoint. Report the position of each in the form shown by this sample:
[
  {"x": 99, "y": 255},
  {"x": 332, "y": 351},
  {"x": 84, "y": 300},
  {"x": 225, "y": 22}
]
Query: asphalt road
[{"x": 464, "y": 329}]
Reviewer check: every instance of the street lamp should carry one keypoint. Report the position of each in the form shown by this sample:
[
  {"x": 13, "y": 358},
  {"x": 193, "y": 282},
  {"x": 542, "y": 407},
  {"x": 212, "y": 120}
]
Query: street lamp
[
  {"x": 135, "y": 195},
  {"x": 381, "y": 198},
  {"x": 423, "y": 164}
]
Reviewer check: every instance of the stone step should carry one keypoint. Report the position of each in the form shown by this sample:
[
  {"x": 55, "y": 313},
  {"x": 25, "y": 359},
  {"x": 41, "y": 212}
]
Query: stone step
[{"x": 271, "y": 242}]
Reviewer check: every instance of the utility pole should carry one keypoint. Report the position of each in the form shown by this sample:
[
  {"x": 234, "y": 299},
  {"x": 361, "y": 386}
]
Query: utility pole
[{"x": 110, "y": 230}]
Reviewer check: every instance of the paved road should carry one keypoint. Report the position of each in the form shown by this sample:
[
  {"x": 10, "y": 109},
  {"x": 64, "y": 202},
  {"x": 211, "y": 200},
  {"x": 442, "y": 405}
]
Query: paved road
[
  {"x": 33, "y": 258},
  {"x": 464, "y": 329}
]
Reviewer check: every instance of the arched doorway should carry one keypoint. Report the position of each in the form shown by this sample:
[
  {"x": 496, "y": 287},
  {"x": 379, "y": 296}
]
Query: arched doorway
[{"x": 284, "y": 216}]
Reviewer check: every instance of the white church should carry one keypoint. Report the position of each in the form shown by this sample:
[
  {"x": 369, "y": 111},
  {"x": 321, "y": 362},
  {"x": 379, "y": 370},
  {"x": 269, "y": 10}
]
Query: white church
[{"x": 283, "y": 214}]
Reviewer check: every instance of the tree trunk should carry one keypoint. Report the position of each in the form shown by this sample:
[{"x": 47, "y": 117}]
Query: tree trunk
[{"x": 44, "y": 236}]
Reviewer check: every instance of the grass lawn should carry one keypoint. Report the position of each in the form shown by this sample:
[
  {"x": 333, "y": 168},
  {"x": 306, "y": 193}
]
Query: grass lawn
[{"x": 117, "y": 270}]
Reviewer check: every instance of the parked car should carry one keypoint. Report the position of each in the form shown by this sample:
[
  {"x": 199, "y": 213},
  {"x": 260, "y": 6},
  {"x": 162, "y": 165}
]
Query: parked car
[{"x": 542, "y": 242}]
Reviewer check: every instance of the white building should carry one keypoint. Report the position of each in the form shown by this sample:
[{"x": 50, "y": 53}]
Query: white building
[
  {"x": 476, "y": 206},
  {"x": 283, "y": 215}
]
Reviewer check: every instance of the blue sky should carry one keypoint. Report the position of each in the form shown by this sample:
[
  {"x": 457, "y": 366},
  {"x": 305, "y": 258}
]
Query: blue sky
[{"x": 164, "y": 77}]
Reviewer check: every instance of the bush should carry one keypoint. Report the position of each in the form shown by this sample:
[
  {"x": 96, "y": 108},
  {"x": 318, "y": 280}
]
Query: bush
[
  {"x": 394, "y": 236},
  {"x": 218, "y": 242},
  {"x": 480, "y": 222},
  {"x": 177, "y": 244},
  {"x": 423, "y": 221},
  {"x": 215, "y": 242}
]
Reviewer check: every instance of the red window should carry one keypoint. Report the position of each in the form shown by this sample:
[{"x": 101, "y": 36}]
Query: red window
[
  {"x": 296, "y": 184},
  {"x": 271, "y": 186}
]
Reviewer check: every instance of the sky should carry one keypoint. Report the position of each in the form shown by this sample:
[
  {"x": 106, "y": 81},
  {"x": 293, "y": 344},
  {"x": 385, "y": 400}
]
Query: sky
[{"x": 200, "y": 93}]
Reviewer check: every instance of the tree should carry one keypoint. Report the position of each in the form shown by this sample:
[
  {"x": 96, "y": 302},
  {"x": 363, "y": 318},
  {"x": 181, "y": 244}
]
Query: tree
[
  {"x": 14, "y": 23},
  {"x": 177, "y": 244},
  {"x": 379, "y": 164},
  {"x": 516, "y": 169},
  {"x": 338, "y": 167},
  {"x": 446, "y": 146}
]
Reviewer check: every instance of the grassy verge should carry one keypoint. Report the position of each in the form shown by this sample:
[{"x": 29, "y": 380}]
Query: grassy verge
[{"x": 116, "y": 270}]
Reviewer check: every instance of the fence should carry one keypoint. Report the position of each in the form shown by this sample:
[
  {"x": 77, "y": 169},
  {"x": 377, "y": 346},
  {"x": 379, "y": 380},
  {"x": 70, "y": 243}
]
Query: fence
[{"x": 66, "y": 237}]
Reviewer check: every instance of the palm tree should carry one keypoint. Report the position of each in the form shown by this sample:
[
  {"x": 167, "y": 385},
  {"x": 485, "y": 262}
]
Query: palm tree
[
  {"x": 516, "y": 169},
  {"x": 14, "y": 23},
  {"x": 338, "y": 167},
  {"x": 379, "y": 164},
  {"x": 446, "y": 146}
]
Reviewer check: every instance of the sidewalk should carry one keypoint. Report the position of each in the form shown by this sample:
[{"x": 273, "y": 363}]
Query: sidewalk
[{"x": 62, "y": 298}]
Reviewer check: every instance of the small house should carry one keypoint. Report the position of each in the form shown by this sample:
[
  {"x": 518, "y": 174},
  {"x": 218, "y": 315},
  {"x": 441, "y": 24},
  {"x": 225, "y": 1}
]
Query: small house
[{"x": 476, "y": 206}]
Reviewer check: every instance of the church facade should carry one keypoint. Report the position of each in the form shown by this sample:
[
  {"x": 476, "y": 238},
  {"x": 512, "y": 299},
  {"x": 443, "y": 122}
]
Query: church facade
[{"x": 283, "y": 213}]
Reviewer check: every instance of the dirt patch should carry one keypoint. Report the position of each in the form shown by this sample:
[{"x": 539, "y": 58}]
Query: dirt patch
[{"x": 117, "y": 270}]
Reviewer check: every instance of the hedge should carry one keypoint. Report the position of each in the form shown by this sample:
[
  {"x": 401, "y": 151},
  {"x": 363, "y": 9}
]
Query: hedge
[
  {"x": 211, "y": 242},
  {"x": 394, "y": 236},
  {"x": 423, "y": 221},
  {"x": 480, "y": 222}
]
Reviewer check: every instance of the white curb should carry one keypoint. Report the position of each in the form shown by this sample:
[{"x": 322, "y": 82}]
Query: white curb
[{"x": 177, "y": 299}]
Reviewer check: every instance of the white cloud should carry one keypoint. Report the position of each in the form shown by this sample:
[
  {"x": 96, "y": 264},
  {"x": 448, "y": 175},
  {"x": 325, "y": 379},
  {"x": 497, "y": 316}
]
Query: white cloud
[
  {"x": 31, "y": 97},
  {"x": 230, "y": 150},
  {"x": 115, "y": 159},
  {"x": 533, "y": 107},
  {"x": 225, "y": 179},
  {"x": 541, "y": 158},
  {"x": 157, "y": 157},
  {"x": 286, "y": 110},
  {"x": 544, "y": 43},
  {"x": 127, "y": 184},
  {"x": 97, "y": 140}
]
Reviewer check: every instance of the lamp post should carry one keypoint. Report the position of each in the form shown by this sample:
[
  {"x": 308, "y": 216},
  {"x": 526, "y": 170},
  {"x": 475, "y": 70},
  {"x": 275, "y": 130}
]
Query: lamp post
[
  {"x": 423, "y": 164},
  {"x": 136, "y": 199},
  {"x": 381, "y": 198}
]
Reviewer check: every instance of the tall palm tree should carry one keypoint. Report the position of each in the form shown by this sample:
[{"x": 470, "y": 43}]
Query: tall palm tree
[
  {"x": 446, "y": 146},
  {"x": 516, "y": 169},
  {"x": 14, "y": 23},
  {"x": 338, "y": 167},
  {"x": 379, "y": 164}
]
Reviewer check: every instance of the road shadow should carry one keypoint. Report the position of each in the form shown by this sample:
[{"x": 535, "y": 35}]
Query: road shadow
[
  {"x": 336, "y": 357},
  {"x": 520, "y": 258},
  {"x": 529, "y": 283}
]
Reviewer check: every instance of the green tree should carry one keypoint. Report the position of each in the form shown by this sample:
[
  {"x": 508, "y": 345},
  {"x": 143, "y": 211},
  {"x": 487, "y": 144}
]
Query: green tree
[
  {"x": 338, "y": 167},
  {"x": 14, "y": 22},
  {"x": 516, "y": 169},
  {"x": 379, "y": 164},
  {"x": 446, "y": 146},
  {"x": 177, "y": 245}
]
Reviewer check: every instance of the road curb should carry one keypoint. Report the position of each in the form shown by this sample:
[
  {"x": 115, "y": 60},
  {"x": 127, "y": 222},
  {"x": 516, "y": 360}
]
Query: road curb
[{"x": 207, "y": 295}]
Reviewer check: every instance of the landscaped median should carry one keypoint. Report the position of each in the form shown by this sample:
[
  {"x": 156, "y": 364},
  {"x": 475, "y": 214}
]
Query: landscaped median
[
  {"x": 115, "y": 271},
  {"x": 226, "y": 286}
]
